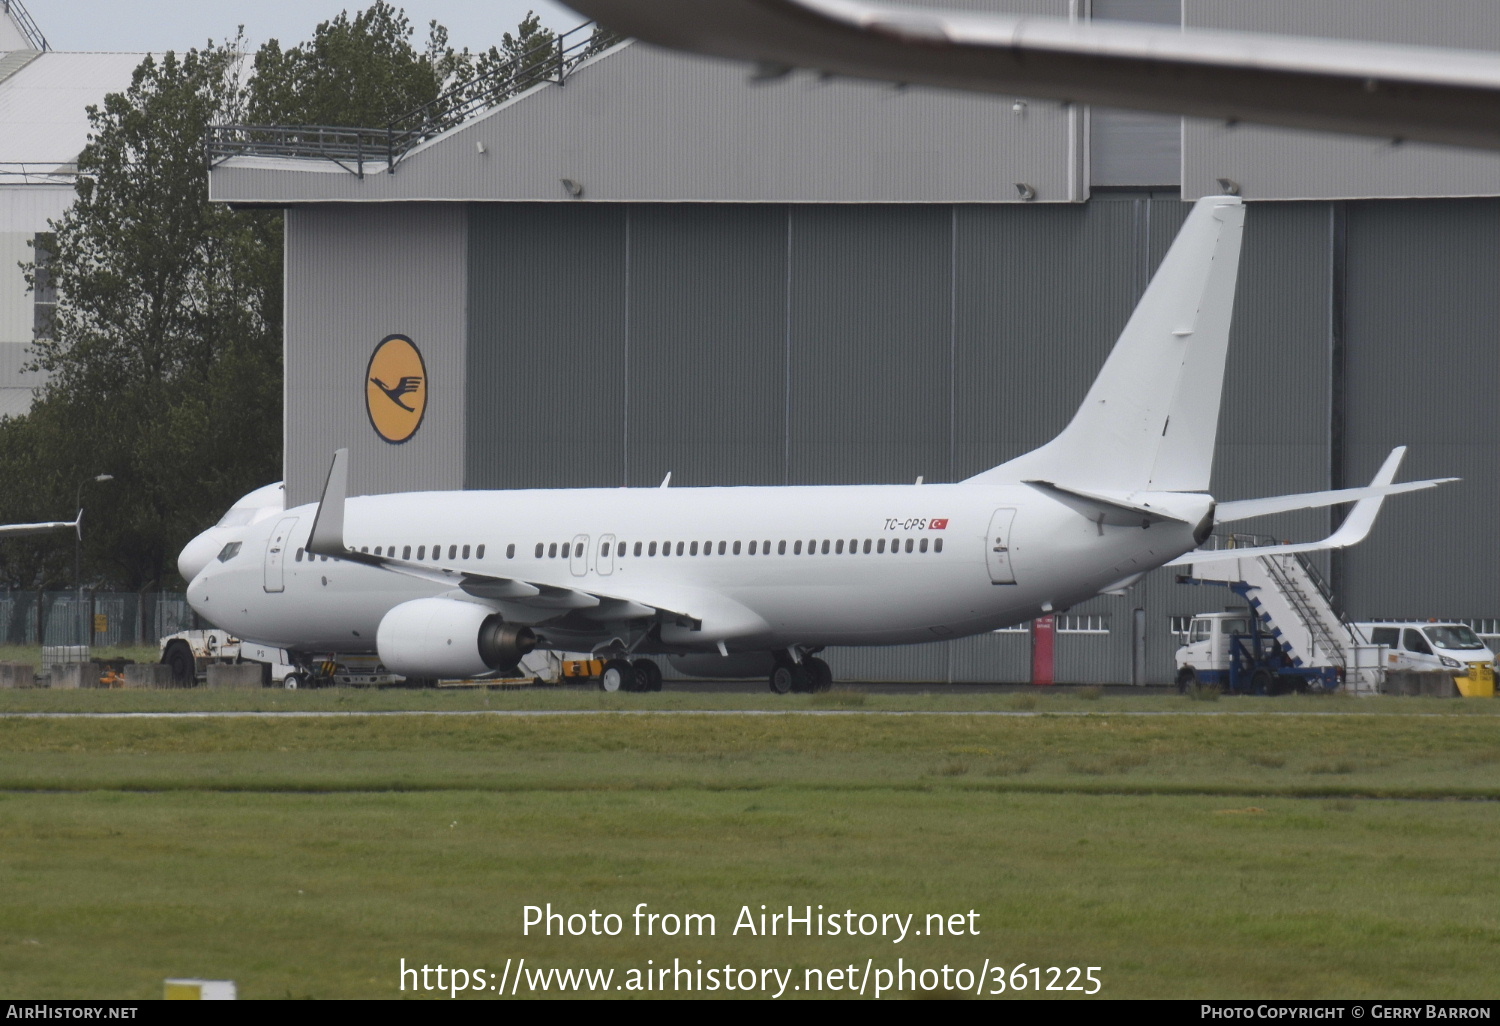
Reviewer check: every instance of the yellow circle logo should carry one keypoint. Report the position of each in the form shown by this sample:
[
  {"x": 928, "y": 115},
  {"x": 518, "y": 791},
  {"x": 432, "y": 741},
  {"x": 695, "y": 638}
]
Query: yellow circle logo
[{"x": 396, "y": 389}]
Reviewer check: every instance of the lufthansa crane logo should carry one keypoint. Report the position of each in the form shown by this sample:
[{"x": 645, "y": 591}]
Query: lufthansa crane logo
[{"x": 396, "y": 389}]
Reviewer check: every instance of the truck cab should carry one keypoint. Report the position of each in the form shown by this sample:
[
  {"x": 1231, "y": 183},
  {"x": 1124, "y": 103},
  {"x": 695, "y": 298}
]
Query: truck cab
[
  {"x": 1205, "y": 647},
  {"x": 1232, "y": 651},
  {"x": 1446, "y": 647}
]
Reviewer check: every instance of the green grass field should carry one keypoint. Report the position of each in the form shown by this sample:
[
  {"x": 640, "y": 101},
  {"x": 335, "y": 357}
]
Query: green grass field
[{"x": 1187, "y": 855}]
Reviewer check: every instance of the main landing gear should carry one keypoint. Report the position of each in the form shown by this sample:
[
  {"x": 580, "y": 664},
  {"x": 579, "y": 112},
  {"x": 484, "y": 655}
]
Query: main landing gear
[
  {"x": 623, "y": 675},
  {"x": 810, "y": 675}
]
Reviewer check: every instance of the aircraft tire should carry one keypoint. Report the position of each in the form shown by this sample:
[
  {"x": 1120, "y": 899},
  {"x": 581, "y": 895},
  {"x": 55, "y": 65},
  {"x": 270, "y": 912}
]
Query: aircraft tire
[
  {"x": 647, "y": 675},
  {"x": 180, "y": 658},
  {"x": 802, "y": 680},
  {"x": 618, "y": 675},
  {"x": 821, "y": 674},
  {"x": 782, "y": 679}
]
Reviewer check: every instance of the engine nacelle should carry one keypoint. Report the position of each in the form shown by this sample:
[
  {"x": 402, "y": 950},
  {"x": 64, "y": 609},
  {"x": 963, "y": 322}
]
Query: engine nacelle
[{"x": 444, "y": 638}]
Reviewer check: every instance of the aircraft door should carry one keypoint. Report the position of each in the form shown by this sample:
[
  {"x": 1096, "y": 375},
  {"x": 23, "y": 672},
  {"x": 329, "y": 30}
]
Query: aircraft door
[
  {"x": 276, "y": 547},
  {"x": 606, "y": 563},
  {"x": 579, "y": 563},
  {"x": 997, "y": 547}
]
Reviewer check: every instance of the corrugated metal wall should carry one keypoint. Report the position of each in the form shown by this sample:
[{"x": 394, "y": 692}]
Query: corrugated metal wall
[
  {"x": 353, "y": 276},
  {"x": 1422, "y": 364}
]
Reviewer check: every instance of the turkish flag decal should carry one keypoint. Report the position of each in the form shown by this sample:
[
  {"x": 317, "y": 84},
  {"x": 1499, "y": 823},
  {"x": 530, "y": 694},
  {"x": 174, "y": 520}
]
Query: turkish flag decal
[{"x": 940, "y": 524}]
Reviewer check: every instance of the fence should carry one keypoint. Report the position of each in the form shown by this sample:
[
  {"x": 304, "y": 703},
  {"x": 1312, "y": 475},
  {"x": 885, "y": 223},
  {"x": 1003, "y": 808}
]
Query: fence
[{"x": 66, "y": 617}]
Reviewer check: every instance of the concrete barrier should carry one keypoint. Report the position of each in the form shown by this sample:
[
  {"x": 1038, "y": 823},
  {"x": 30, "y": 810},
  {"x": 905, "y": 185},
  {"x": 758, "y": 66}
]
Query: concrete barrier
[
  {"x": 234, "y": 675},
  {"x": 17, "y": 675},
  {"x": 147, "y": 675},
  {"x": 74, "y": 675},
  {"x": 1413, "y": 684}
]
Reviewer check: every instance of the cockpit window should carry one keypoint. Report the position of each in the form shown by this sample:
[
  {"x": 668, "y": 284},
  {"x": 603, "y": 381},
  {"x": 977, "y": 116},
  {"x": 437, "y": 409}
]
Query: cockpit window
[
  {"x": 237, "y": 518},
  {"x": 229, "y": 551}
]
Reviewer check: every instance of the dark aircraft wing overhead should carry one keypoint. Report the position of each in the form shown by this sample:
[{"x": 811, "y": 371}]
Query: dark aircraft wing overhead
[{"x": 1401, "y": 92}]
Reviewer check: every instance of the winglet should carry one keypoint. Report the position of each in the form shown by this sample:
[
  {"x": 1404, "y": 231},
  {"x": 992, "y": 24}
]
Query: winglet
[
  {"x": 78, "y": 523},
  {"x": 327, "y": 537}
]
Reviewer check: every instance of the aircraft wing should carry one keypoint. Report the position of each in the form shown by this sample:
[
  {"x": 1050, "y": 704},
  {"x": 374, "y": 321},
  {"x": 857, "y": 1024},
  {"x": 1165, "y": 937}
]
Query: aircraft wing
[
  {"x": 327, "y": 539},
  {"x": 1427, "y": 94},
  {"x": 1352, "y": 531},
  {"x": 21, "y": 530}
]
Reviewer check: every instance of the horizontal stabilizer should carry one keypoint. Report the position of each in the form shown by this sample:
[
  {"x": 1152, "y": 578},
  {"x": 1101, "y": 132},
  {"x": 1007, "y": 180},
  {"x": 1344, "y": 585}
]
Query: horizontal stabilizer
[
  {"x": 1352, "y": 531},
  {"x": 1104, "y": 509},
  {"x": 1247, "y": 508}
]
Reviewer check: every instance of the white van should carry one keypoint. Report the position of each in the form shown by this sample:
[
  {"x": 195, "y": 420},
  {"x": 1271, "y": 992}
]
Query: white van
[{"x": 1450, "y": 647}]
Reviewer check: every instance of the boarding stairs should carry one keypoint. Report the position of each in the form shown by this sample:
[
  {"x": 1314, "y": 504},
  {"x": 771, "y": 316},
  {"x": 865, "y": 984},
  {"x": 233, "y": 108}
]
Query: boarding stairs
[{"x": 1295, "y": 605}]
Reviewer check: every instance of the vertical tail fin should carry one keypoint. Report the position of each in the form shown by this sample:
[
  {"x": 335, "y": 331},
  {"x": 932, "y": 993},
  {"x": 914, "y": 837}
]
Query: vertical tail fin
[{"x": 1149, "y": 421}]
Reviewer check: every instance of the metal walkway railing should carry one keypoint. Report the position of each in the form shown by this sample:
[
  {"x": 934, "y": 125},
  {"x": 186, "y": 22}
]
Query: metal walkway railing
[
  {"x": 355, "y": 148},
  {"x": 23, "y": 19}
]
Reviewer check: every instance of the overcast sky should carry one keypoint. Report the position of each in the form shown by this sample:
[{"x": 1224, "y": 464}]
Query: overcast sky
[{"x": 157, "y": 25}]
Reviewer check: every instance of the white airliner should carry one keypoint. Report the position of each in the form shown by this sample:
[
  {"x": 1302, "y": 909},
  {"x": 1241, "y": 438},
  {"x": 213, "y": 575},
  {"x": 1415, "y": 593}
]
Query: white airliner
[{"x": 461, "y": 584}]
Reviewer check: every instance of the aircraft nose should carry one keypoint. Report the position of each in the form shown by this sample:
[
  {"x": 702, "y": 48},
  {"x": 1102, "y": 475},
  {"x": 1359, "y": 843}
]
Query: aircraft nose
[{"x": 198, "y": 553}]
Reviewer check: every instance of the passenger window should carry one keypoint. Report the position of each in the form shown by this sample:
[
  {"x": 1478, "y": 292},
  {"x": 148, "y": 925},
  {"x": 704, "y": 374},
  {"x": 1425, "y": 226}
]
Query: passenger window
[
  {"x": 735, "y": 550},
  {"x": 538, "y": 550},
  {"x": 638, "y": 548},
  {"x": 1413, "y": 641},
  {"x": 620, "y": 549},
  {"x": 604, "y": 548},
  {"x": 880, "y": 545},
  {"x": 452, "y": 551},
  {"x": 867, "y": 546},
  {"x": 299, "y": 555},
  {"x": 679, "y": 548},
  {"x": 406, "y": 552},
  {"x": 752, "y": 548},
  {"x": 797, "y": 548},
  {"x": 781, "y": 548},
  {"x": 825, "y": 546},
  {"x": 653, "y": 548},
  {"x": 923, "y": 546},
  {"x": 552, "y": 551},
  {"x": 666, "y": 548},
  {"x": 364, "y": 548},
  {"x": 480, "y": 552},
  {"x": 937, "y": 545},
  {"x": 838, "y": 549},
  {"x": 908, "y": 545},
  {"x": 567, "y": 550},
  {"x": 510, "y": 551},
  {"x": 377, "y": 550},
  {"x": 693, "y": 549},
  {"x": 421, "y": 552}
]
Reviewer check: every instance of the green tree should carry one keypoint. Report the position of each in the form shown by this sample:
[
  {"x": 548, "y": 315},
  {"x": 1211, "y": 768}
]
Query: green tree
[
  {"x": 359, "y": 72},
  {"x": 165, "y": 355}
]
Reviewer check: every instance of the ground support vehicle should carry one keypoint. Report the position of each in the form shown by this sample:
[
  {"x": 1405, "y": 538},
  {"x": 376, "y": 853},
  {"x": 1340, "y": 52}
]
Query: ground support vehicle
[
  {"x": 1451, "y": 648},
  {"x": 1233, "y": 652},
  {"x": 190, "y": 653}
]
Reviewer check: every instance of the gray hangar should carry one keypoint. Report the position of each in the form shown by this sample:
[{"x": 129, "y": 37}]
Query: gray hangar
[{"x": 654, "y": 265}]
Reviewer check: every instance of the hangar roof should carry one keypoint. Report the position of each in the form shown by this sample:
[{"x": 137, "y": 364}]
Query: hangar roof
[{"x": 636, "y": 123}]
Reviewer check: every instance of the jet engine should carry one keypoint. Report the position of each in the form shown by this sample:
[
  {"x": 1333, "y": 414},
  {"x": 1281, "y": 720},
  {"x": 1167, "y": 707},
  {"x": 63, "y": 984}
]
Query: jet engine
[{"x": 439, "y": 637}]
